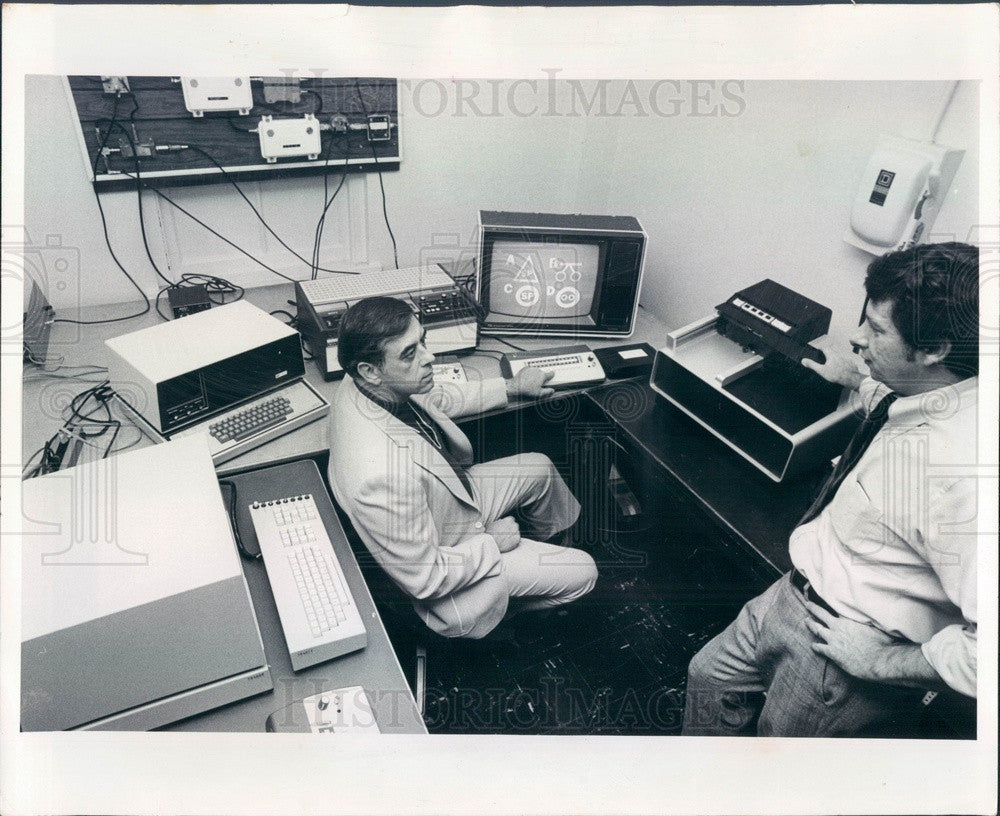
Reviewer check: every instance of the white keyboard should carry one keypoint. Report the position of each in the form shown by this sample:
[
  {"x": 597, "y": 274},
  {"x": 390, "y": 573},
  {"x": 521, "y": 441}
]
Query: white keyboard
[
  {"x": 369, "y": 284},
  {"x": 318, "y": 615},
  {"x": 252, "y": 424},
  {"x": 570, "y": 365}
]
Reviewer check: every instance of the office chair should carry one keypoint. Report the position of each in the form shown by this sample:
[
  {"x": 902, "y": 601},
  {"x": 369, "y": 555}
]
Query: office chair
[{"x": 413, "y": 635}]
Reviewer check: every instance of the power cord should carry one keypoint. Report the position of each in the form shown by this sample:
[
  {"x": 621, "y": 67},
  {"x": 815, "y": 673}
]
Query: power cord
[
  {"x": 249, "y": 556},
  {"x": 378, "y": 168},
  {"x": 318, "y": 238},
  {"x": 512, "y": 345},
  {"x": 201, "y": 223},
  {"x": 228, "y": 176},
  {"x": 76, "y": 427},
  {"x": 107, "y": 239}
]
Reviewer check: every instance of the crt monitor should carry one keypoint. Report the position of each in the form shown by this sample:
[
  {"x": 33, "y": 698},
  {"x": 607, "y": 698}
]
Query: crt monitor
[{"x": 560, "y": 275}]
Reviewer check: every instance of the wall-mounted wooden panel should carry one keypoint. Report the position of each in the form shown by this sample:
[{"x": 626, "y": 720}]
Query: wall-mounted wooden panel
[{"x": 152, "y": 114}]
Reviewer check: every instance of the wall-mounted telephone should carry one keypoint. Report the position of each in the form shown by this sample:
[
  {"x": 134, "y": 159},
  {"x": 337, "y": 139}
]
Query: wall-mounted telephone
[{"x": 900, "y": 193}]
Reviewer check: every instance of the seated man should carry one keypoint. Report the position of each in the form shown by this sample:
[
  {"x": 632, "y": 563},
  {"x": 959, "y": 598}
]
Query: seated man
[
  {"x": 881, "y": 604},
  {"x": 441, "y": 527}
]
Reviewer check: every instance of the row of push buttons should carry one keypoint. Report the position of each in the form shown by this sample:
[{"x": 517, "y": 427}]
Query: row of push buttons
[
  {"x": 252, "y": 420},
  {"x": 554, "y": 362},
  {"x": 299, "y": 534},
  {"x": 293, "y": 512},
  {"x": 760, "y": 314}
]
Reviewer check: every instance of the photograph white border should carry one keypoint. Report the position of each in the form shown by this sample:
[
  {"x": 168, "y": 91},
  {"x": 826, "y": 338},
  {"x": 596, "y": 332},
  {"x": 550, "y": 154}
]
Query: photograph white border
[{"x": 267, "y": 774}]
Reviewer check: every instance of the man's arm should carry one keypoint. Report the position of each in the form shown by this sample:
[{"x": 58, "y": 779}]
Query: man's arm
[
  {"x": 530, "y": 382},
  {"x": 870, "y": 654},
  {"x": 457, "y": 400},
  {"x": 950, "y": 547},
  {"x": 841, "y": 367},
  {"x": 949, "y": 657},
  {"x": 405, "y": 540}
]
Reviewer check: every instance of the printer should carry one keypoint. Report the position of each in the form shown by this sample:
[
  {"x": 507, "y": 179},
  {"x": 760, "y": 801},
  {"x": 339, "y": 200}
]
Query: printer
[{"x": 738, "y": 374}]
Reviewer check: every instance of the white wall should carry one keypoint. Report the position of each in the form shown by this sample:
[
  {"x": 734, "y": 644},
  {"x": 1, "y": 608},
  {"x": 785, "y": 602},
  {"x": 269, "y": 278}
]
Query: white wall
[
  {"x": 728, "y": 201},
  {"x": 725, "y": 199}
]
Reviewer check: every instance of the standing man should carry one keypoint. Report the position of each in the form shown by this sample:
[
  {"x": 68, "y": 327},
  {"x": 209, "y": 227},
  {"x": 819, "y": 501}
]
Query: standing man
[
  {"x": 881, "y": 603},
  {"x": 452, "y": 535}
]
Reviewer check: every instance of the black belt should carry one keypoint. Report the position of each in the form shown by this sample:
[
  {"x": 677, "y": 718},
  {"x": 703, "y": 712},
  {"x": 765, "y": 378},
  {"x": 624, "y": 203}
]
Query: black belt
[{"x": 801, "y": 583}]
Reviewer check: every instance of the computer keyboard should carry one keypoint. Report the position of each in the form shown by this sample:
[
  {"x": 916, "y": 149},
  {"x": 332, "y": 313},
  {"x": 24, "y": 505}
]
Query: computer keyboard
[
  {"x": 393, "y": 281},
  {"x": 250, "y": 421},
  {"x": 570, "y": 365},
  {"x": 319, "y": 617},
  {"x": 250, "y": 425}
]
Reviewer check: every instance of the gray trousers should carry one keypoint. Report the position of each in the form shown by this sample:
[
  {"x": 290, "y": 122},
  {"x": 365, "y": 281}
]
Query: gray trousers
[{"x": 761, "y": 676}]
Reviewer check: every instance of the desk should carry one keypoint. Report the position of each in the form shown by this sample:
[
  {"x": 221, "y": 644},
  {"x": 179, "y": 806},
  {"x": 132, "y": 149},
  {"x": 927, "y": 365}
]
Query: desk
[
  {"x": 375, "y": 667},
  {"x": 759, "y": 513},
  {"x": 44, "y": 398},
  {"x": 757, "y": 517}
]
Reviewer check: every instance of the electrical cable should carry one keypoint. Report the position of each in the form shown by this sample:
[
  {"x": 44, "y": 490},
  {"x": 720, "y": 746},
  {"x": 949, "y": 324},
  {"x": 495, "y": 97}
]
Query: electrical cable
[
  {"x": 229, "y": 178},
  {"x": 371, "y": 144},
  {"x": 59, "y": 366},
  {"x": 326, "y": 189},
  {"x": 233, "y": 523},
  {"x": 107, "y": 241},
  {"x": 71, "y": 428},
  {"x": 318, "y": 237},
  {"x": 944, "y": 110},
  {"x": 512, "y": 345},
  {"x": 198, "y": 221},
  {"x": 499, "y": 354},
  {"x": 29, "y": 355},
  {"x": 138, "y": 193},
  {"x": 139, "y": 181}
]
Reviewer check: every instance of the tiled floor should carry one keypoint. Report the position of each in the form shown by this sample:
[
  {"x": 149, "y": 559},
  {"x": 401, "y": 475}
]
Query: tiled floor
[{"x": 612, "y": 663}]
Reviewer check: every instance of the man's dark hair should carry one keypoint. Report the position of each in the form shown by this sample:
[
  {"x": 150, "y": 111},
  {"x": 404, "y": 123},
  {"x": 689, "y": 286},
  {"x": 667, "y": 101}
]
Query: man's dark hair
[
  {"x": 365, "y": 328},
  {"x": 934, "y": 291}
]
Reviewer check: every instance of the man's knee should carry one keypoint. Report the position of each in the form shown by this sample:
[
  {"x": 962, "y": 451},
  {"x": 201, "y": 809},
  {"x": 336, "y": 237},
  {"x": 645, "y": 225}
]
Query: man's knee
[
  {"x": 705, "y": 667},
  {"x": 699, "y": 669},
  {"x": 540, "y": 470},
  {"x": 584, "y": 575}
]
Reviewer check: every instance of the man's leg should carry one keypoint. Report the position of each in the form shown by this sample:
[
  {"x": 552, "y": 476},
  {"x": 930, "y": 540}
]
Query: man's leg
[
  {"x": 528, "y": 483},
  {"x": 768, "y": 648},
  {"x": 725, "y": 682},
  {"x": 543, "y": 575},
  {"x": 809, "y": 696}
]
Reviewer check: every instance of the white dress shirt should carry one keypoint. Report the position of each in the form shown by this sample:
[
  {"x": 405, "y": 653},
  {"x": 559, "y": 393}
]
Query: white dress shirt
[{"x": 896, "y": 546}]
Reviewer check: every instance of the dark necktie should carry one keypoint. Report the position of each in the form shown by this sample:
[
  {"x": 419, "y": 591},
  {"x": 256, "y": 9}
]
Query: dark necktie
[{"x": 859, "y": 443}]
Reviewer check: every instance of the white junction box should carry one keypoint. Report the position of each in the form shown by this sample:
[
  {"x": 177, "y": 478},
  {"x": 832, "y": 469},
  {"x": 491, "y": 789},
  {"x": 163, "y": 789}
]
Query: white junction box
[
  {"x": 282, "y": 138},
  {"x": 903, "y": 187},
  {"x": 217, "y": 94}
]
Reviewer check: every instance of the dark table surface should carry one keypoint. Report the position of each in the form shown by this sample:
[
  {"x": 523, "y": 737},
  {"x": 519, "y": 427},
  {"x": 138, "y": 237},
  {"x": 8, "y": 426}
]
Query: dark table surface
[{"x": 760, "y": 512}]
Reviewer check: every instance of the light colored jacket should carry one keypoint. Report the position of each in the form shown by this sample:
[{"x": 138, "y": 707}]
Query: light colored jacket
[{"x": 411, "y": 509}]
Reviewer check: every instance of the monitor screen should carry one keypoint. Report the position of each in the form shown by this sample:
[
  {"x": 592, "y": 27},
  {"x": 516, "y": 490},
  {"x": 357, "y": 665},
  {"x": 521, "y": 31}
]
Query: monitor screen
[
  {"x": 533, "y": 282},
  {"x": 565, "y": 275}
]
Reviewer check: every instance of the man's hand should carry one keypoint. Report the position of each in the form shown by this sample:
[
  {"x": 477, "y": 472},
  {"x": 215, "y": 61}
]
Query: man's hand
[
  {"x": 868, "y": 653},
  {"x": 530, "y": 382},
  {"x": 841, "y": 367},
  {"x": 505, "y": 532}
]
